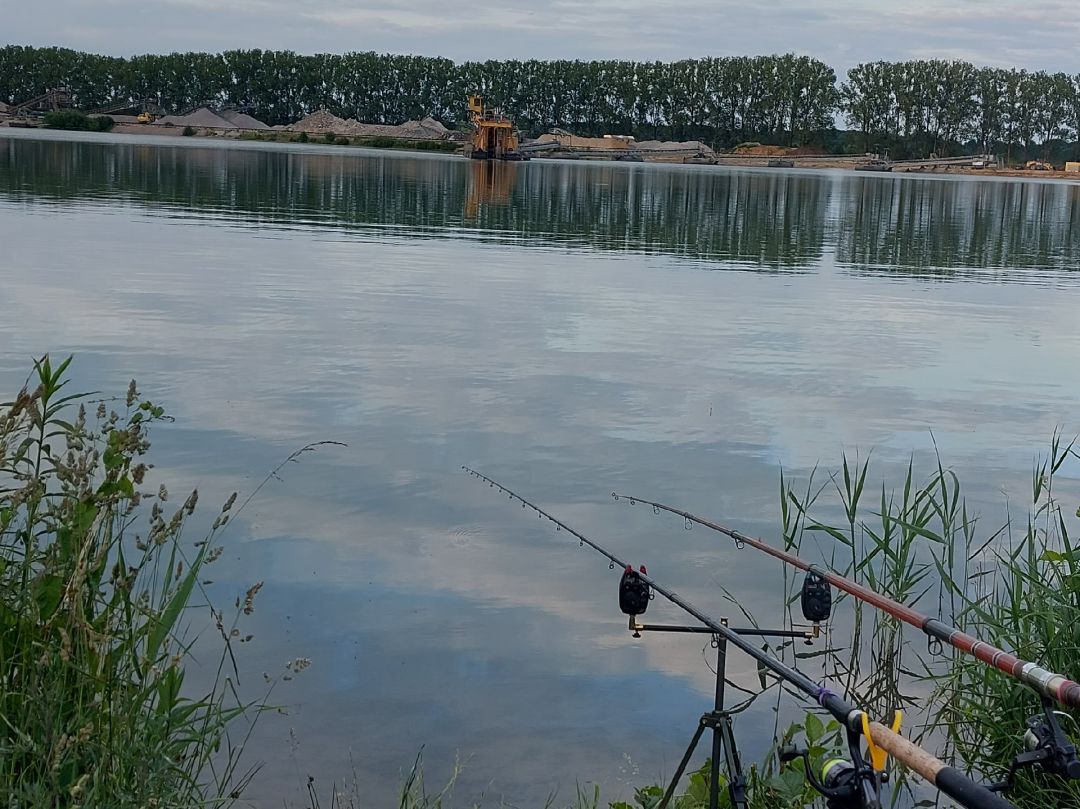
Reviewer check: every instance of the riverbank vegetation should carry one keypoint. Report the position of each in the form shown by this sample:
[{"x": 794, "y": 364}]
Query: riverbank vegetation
[
  {"x": 96, "y": 586},
  {"x": 381, "y": 142},
  {"x": 1015, "y": 585},
  {"x": 906, "y": 108}
]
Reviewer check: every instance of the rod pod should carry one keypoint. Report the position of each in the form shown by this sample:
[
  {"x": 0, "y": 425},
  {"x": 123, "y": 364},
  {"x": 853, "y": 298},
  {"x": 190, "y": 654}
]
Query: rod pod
[{"x": 949, "y": 780}]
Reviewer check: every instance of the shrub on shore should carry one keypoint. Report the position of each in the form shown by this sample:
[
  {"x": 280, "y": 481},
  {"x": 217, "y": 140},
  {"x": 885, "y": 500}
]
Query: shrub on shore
[{"x": 78, "y": 121}]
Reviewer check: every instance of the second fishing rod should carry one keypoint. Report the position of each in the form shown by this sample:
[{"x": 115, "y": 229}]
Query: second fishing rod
[{"x": 861, "y": 785}]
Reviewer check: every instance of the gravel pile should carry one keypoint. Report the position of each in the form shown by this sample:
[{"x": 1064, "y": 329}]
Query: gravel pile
[
  {"x": 242, "y": 120},
  {"x": 425, "y": 128}
]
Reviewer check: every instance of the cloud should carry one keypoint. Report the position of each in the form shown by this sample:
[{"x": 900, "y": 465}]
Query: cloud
[{"x": 999, "y": 33}]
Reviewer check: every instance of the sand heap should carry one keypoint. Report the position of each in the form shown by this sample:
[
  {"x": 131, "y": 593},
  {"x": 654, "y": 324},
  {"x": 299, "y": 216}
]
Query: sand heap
[
  {"x": 242, "y": 120},
  {"x": 568, "y": 141},
  {"x": 206, "y": 117},
  {"x": 323, "y": 122},
  {"x": 694, "y": 146},
  {"x": 203, "y": 116}
]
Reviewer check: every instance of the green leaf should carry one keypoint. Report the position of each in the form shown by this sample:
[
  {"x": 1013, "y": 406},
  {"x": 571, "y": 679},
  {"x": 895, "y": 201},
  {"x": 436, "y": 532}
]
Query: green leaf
[
  {"x": 814, "y": 728},
  {"x": 833, "y": 532},
  {"x": 167, "y": 618},
  {"x": 47, "y": 592}
]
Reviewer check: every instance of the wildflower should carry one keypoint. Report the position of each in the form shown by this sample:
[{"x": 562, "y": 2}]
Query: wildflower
[
  {"x": 132, "y": 394},
  {"x": 298, "y": 665}
]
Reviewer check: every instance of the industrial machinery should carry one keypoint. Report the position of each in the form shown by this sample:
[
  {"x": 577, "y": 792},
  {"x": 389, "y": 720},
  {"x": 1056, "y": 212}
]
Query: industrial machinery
[
  {"x": 144, "y": 109},
  {"x": 50, "y": 101},
  {"x": 494, "y": 136}
]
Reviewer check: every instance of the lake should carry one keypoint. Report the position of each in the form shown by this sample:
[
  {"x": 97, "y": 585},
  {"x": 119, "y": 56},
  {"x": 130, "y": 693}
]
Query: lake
[{"x": 567, "y": 328}]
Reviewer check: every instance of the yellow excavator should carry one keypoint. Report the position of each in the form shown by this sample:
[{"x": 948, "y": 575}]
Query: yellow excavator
[{"x": 494, "y": 136}]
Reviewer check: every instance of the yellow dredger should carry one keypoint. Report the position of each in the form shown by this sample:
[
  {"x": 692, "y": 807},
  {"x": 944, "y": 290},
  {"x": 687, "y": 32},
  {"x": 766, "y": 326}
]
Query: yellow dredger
[{"x": 494, "y": 136}]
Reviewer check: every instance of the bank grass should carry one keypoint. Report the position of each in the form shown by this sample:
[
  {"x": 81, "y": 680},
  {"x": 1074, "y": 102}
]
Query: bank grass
[{"x": 96, "y": 590}]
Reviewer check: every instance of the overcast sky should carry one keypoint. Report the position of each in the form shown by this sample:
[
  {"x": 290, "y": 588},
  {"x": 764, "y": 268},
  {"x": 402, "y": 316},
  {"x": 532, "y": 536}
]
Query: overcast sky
[{"x": 1038, "y": 35}]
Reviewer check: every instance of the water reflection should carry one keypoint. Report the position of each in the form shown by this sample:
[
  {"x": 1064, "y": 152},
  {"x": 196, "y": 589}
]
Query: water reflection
[
  {"x": 761, "y": 219},
  {"x": 945, "y": 227},
  {"x": 490, "y": 183},
  {"x": 764, "y": 219}
]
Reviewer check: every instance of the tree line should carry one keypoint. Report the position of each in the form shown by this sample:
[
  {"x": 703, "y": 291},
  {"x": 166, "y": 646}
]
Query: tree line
[{"x": 906, "y": 108}]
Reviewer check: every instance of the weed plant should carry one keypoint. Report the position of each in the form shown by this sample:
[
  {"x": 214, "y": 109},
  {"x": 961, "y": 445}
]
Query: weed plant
[{"x": 95, "y": 586}]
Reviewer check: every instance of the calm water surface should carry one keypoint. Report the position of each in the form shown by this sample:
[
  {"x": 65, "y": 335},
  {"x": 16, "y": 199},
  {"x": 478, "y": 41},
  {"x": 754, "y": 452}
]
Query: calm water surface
[{"x": 567, "y": 328}]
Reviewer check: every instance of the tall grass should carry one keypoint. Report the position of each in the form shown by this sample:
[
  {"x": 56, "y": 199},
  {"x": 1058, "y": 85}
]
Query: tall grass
[{"x": 95, "y": 587}]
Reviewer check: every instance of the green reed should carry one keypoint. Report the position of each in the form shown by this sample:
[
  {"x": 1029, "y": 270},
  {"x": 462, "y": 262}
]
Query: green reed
[
  {"x": 96, "y": 587},
  {"x": 1016, "y": 586}
]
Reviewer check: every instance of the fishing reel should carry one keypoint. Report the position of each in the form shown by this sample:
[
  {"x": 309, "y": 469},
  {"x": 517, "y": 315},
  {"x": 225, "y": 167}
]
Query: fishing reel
[
  {"x": 634, "y": 592},
  {"x": 1047, "y": 747},
  {"x": 844, "y": 783}
]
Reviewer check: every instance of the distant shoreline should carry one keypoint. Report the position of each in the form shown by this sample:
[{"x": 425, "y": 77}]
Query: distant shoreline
[{"x": 722, "y": 160}]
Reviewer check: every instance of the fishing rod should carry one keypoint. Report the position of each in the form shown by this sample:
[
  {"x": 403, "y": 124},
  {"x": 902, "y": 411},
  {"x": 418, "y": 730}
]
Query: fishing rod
[
  {"x": 1047, "y": 744},
  {"x": 853, "y": 784},
  {"x": 1047, "y": 683}
]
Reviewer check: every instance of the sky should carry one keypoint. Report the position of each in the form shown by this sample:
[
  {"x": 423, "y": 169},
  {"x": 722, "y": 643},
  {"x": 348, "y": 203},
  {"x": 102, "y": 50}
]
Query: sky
[{"x": 1007, "y": 33}]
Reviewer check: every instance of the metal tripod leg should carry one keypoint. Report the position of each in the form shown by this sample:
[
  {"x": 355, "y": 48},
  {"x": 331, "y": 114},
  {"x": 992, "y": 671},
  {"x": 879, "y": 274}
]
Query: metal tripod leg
[
  {"x": 723, "y": 743},
  {"x": 736, "y": 781},
  {"x": 682, "y": 765}
]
